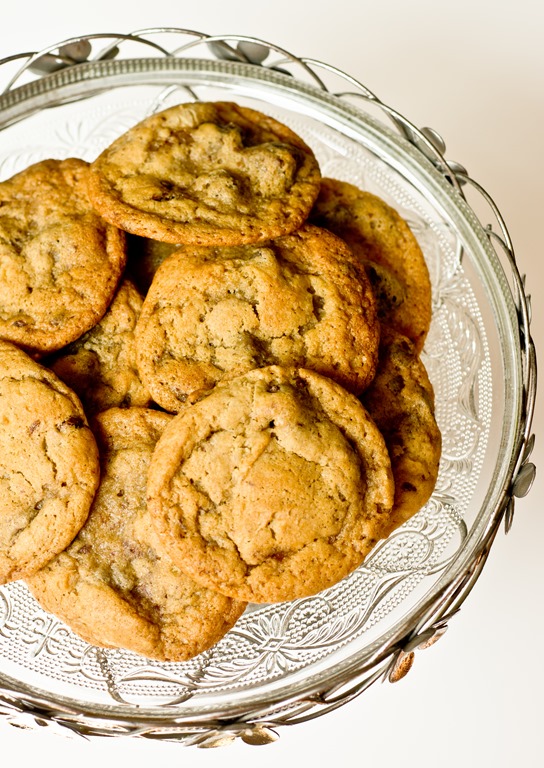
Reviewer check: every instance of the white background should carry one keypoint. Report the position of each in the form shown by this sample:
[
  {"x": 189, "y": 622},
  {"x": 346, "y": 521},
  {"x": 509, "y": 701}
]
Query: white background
[{"x": 474, "y": 70}]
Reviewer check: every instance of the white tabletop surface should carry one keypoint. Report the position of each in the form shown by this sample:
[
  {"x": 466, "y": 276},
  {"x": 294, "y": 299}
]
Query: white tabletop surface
[{"x": 474, "y": 70}]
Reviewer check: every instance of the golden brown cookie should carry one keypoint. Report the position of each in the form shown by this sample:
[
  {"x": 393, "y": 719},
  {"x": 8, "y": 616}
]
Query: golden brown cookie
[
  {"x": 48, "y": 465},
  {"x": 113, "y": 585},
  {"x": 385, "y": 244},
  {"x": 211, "y": 173},
  {"x": 216, "y": 313},
  {"x": 401, "y": 402},
  {"x": 274, "y": 486},
  {"x": 101, "y": 365},
  {"x": 59, "y": 261}
]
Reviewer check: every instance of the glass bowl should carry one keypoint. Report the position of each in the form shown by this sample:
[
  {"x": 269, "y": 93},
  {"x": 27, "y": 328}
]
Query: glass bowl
[{"x": 288, "y": 662}]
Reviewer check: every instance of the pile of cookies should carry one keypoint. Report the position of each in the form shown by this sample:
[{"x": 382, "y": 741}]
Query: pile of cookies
[{"x": 211, "y": 390}]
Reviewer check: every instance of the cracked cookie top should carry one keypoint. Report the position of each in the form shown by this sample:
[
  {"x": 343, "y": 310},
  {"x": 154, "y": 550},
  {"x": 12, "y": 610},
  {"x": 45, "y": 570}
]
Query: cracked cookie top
[
  {"x": 401, "y": 402},
  {"x": 48, "y": 465},
  {"x": 208, "y": 173},
  {"x": 216, "y": 313},
  {"x": 113, "y": 585},
  {"x": 274, "y": 486},
  {"x": 387, "y": 248},
  {"x": 101, "y": 365},
  {"x": 59, "y": 261}
]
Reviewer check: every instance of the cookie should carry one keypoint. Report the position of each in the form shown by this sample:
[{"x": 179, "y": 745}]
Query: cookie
[
  {"x": 401, "y": 402},
  {"x": 101, "y": 365},
  {"x": 216, "y": 313},
  {"x": 59, "y": 261},
  {"x": 385, "y": 244},
  {"x": 272, "y": 487},
  {"x": 113, "y": 585},
  {"x": 49, "y": 468},
  {"x": 211, "y": 173}
]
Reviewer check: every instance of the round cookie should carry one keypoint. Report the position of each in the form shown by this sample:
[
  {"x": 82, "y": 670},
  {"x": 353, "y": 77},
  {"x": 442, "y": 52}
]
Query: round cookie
[
  {"x": 113, "y": 585},
  {"x": 49, "y": 468},
  {"x": 216, "y": 313},
  {"x": 206, "y": 173},
  {"x": 389, "y": 251},
  {"x": 272, "y": 487},
  {"x": 59, "y": 261},
  {"x": 101, "y": 365},
  {"x": 401, "y": 402}
]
